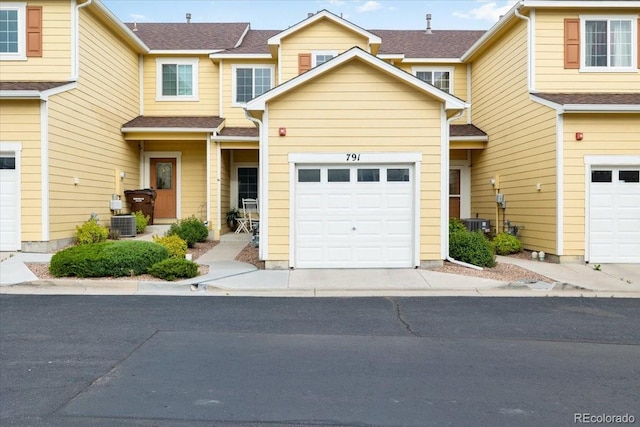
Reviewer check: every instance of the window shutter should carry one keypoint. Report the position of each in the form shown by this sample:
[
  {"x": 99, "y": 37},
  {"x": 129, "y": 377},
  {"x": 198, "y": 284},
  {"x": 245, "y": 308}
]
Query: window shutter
[
  {"x": 34, "y": 31},
  {"x": 571, "y": 43},
  {"x": 304, "y": 62}
]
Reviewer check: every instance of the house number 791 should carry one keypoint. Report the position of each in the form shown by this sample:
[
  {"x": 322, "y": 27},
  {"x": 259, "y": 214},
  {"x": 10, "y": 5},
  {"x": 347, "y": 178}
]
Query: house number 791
[{"x": 353, "y": 157}]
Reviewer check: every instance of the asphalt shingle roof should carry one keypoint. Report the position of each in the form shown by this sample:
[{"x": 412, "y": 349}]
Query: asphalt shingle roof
[
  {"x": 465, "y": 130},
  {"x": 419, "y": 44},
  {"x": 591, "y": 98},
  {"x": 37, "y": 86},
  {"x": 236, "y": 131},
  {"x": 193, "y": 36},
  {"x": 186, "y": 122}
]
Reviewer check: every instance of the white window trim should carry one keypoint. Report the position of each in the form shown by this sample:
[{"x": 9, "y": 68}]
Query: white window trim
[
  {"x": 21, "y": 55},
  {"x": 316, "y": 53},
  {"x": 234, "y": 67},
  {"x": 234, "y": 182},
  {"x": 450, "y": 70},
  {"x": 465, "y": 186},
  {"x": 634, "y": 41},
  {"x": 194, "y": 62}
]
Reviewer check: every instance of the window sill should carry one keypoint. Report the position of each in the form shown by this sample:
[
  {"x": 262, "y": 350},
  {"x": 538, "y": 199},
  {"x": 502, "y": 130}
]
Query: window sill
[
  {"x": 609, "y": 70},
  {"x": 177, "y": 99}
]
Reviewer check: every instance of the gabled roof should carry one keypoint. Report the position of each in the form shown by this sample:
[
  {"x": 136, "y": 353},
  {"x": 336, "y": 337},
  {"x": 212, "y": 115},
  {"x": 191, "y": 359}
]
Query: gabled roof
[
  {"x": 450, "y": 101},
  {"x": 173, "y": 124},
  {"x": 253, "y": 44},
  {"x": 419, "y": 44},
  {"x": 466, "y": 131},
  {"x": 325, "y": 14},
  {"x": 584, "y": 102},
  {"x": 194, "y": 36}
]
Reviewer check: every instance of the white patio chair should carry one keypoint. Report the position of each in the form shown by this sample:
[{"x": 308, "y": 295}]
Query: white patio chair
[
  {"x": 243, "y": 224},
  {"x": 251, "y": 212}
]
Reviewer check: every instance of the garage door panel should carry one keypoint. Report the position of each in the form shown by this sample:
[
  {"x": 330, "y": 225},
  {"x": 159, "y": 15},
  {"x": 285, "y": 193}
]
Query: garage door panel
[
  {"x": 309, "y": 201},
  {"x": 338, "y": 201},
  {"x": 338, "y": 228},
  {"x": 310, "y": 228},
  {"x": 9, "y": 202},
  {"x": 630, "y": 226}
]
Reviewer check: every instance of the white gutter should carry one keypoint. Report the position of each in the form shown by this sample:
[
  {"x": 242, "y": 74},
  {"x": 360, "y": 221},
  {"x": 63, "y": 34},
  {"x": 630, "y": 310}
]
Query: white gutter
[
  {"x": 223, "y": 138},
  {"x": 263, "y": 185},
  {"x": 469, "y": 93},
  {"x": 44, "y": 170},
  {"x": 141, "y": 83},
  {"x": 208, "y": 183},
  {"x": 444, "y": 191},
  {"x": 489, "y": 34},
  {"x": 530, "y": 46},
  {"x": 586, "y": 108},
  {"x": 76, "y": 41}
]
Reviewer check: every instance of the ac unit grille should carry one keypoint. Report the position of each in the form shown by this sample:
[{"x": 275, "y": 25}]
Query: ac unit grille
[
  {"x": 125, "y": 224},
  {"x": 477, "y": 224}
]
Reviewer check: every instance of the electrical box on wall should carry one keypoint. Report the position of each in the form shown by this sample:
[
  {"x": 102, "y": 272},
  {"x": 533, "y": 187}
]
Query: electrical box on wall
[
  {"x": 499, "y": 198},
  {"x": 115, "y": 205}
]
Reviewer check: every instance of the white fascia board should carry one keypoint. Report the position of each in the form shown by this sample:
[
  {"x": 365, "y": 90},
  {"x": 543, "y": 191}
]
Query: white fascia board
[
  {"x": 469, "y": 138},
  {"x": 126, "y": 30},
  {"x": 489, "y": 34},
  {"x": 220, "y": 138},
  {"x": 36, "y": 94},
  {"x": 240, "y": 56},
  {"x": 244, "y": 34},
  {"x": 601, "y": 108},
  {"x": 59, "y": 89},
  {"x": 432, "y": 61},
  {"x": 391, "y": 56},
  {"x": 546, "y": 103},
  {"x": 581, "y": 4},
  {"x": 189, "y": 52},
  {"x": 373, "y": 39},
  {"x": 259, "y": 103},
  {"x": 169, "y": 130}
]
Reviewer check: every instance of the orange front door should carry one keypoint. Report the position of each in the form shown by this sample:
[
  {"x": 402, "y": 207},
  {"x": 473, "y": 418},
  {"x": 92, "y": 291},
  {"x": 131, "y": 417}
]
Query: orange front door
[{"x": 163, "y": 180}]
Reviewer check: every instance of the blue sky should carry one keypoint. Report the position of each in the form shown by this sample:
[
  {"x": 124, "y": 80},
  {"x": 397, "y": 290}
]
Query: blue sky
[{"x": 369, "y": 14}]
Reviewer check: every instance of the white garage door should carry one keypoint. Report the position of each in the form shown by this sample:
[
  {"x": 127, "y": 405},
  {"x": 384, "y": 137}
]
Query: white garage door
[
  {"x": 614, "y": 214},
  {"x": 354, "y": 216},
  {"x": 9, "y": 199}
]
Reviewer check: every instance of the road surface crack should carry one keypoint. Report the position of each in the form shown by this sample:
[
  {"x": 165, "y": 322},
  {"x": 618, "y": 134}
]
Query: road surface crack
[{"x": 401, "y": 318}]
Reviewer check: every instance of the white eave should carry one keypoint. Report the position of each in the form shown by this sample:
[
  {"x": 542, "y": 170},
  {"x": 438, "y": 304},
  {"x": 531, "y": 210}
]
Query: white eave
[
  {"x": 183, "y": 51},
  {"x": 168, "y": 130},
  {"x": 450, "y": 101},
  {"x": 432, "y": 60},
  {"x": 586, "y": 108},
  {"x": 125, "y": 30},
  {"x": 373, "y": 39},
  {"x": 483, "y": 138},
  {"x": 231, "y": 138},
  {"x": 36, "y": 94},
  {"x": 225, "y": 55}
]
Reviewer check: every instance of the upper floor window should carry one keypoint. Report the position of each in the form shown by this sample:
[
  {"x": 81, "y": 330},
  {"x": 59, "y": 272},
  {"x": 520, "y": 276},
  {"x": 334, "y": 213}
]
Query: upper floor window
[
  {"x": 251, "y": 81},
  {"x": 177, "y": 79},
  {"x": 318, "y": 58},
  {"x": 609, "y": 43},
  {"x": 440, "y": 78},
  {"x": 12, "y": 31}
]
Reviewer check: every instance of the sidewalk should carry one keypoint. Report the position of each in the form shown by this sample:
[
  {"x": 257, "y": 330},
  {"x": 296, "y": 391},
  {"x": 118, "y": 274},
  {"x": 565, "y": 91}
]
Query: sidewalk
[{"x": 227, "y": 277}]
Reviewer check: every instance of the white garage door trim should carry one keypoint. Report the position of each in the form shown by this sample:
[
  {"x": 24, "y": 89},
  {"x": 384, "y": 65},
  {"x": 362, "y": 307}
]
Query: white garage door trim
[
  {"x": 10, "y": 206},
  {"x": 410, "y": 159},
  {"x": 615, "y": 164}
]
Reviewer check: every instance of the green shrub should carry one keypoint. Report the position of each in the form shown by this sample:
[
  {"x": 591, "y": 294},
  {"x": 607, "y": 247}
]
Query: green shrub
[
  {"x": 471, "y": 247},
  {"x": 456, "y": 224},
  {"x": 505, "y": 244},
  {"x": 141, "y": 221},
  {"x": 174, "y": 268},
  {"x": 114, "y": 258},
  {"x": 175, "y": 245},
  {"x": 91, "y": 232},
  {"x": 191, "y": 230}
]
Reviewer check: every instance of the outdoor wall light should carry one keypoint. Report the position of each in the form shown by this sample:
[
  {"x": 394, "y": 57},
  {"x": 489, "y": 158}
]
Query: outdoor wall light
[{"x": 492, "y": 182}]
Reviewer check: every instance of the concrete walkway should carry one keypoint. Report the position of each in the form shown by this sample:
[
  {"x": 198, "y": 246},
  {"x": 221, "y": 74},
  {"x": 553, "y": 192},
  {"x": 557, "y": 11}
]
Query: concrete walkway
[{"x": 227, "y": 277}]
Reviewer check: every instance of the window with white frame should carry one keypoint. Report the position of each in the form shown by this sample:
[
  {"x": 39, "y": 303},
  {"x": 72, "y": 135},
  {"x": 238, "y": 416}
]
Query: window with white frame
[
  {"x": 177, "y": 79},
  {"x": 250, "y": 81},
  {"x": 438, "y": 77},
  {"x": 318, "y": 58},
  {"x": 609, "y": 43},
  {"x": 12, "y": 31}
]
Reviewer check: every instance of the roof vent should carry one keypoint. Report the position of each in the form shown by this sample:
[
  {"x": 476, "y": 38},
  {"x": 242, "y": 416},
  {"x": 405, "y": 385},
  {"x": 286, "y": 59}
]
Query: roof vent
[
  {"x": 135, "y": 26},
  {"x": 188, "y": 18},
  {"x": 428, "y": 24},
  {"x": 309, "y": 15}
]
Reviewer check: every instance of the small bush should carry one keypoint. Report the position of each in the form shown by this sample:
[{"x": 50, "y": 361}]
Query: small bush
[
  {"x": 91, "y": 232},
  {"x": 174, "y": 268},
  {"x": 191, "y": 230},
  {"x": 114, "y": 258},
  {"x": 505, "y": 244},
  {"x": 141, "y": 221},
  {"x": 456, "y": 224},
  {"x": 471, "y": 247},
  {"x": 175, "y": 245}
]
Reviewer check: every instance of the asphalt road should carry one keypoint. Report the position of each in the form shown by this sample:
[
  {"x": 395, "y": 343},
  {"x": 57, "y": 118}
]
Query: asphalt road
[{"x": 202, "y": 361}]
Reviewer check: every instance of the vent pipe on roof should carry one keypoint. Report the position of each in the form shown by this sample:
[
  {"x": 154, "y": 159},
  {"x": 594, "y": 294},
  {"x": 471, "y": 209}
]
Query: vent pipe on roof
[
  {"x": 188, "y": 18},
  {"x": 309, "y": 15},
  {"x": 135, "y": 26},
  {"x": 428, "y": 24}
]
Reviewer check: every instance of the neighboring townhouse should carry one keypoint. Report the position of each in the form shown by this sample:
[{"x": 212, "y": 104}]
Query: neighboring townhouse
[{"x": 359, "y": 144}]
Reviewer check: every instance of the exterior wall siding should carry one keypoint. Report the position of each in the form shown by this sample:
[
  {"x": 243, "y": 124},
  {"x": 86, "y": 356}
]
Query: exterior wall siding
[
  {"x": 521, "y": 148},
  {"x": 342, "y": 111},
  {"x": 56, "y": 60},
  {"x": 84, "y": 132},
  {"x": 20, "y": 122},
  {"x": 551, "y": 76},
  {"x": 606, "y": 134}
]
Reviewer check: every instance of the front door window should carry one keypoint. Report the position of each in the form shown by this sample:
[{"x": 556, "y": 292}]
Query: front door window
[
  {"x": 247, "y": 183},
  {"x": 454, "y": 193}
]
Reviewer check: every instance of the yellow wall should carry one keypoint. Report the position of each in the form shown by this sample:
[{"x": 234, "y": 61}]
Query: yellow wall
[
  {"x": 323, "y": 35},
  {"x": 521, "y": 149},
  {"x": 550, "y": 73},
  {"x": 20, "y": 122},
  {"x": 208, "y": 88},
  {"x": 604, "y": 134},
  {"x": 84, "y": 132},
  {"x": 363, "y": 109},
  {"x": 55, "y": 63}
]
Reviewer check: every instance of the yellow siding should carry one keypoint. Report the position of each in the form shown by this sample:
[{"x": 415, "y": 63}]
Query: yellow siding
[
  {"x": 606, "y": 134},
  {"x": 20, "y": 122},
  {"x": 234, "y": 115},
  {"x": 550, "y": 73},
  {"x": 208, "y": 89},
  {"x": 521, "y": 150},
  {"x": 339, "y": 111},
  {"x": 84, "y": 132},
  {"x": 55, "y": 63},
  {"x": 323, "y": 35},
  {"x": 225, "y": 183}
]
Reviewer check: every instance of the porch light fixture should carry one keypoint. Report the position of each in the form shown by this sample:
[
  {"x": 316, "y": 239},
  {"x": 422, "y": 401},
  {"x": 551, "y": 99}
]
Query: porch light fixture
[
  {"x": 282, "y": 131},
  {"x": 579, "y": 136},
  {"x": 492, "y": 182}
]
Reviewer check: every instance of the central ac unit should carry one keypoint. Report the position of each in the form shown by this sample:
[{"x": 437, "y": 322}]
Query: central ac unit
[
  {"x": 477, "y": 224},
  {"x": 125, "y": 224}
]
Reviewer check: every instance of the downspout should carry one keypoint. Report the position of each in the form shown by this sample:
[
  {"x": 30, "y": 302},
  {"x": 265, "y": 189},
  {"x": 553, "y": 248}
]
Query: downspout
[
  {"x": 76, "y": 41},
  {"x": 445, "y": 205},
  {"x": 262, "y": 162},
  {"x": 530, "y": 48}
]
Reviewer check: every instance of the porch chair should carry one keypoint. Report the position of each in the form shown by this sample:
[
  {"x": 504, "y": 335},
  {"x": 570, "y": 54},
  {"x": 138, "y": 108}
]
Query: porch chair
[
  {"x": 243, "y": 223},
  {"x": 251, "y": 212}
]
